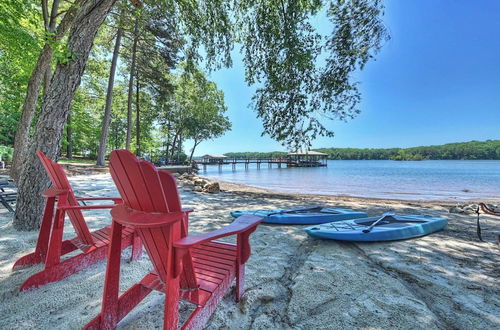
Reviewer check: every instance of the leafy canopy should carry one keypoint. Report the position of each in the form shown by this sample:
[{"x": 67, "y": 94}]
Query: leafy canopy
[
  {"x": 201, "y": 105},
  {"x": 302, "y": 77}
]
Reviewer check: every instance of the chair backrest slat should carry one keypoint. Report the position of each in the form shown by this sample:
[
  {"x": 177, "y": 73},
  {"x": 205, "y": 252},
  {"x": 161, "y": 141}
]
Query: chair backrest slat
[
  {"x": 60, "y": 180},
  {"x": 143, "y": 188},
  {"x": 170, "y": 190},
  {"x": 127, "y": 174},
  {"x": 188, "y": 279}
]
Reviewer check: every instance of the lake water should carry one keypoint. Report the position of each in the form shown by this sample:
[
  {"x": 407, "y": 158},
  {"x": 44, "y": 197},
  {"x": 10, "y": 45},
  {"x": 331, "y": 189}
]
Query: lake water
[{"x": 444, "y": 180}]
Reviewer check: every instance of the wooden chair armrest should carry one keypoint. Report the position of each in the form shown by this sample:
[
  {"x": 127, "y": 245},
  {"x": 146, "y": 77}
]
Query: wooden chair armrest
[
  {"x": 85, "y": 207},
  {"x": 54, "y": 192},
  {"x": 240, "y": 225},
  {"x": 129, "y": 217},
  {"x": 116, "y": 200}
]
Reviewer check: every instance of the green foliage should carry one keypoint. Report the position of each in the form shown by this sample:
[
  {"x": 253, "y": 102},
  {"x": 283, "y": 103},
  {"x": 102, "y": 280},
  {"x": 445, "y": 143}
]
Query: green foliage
[
  {"x": 62, "y": 54},
  {"x": 21, "y": 32},
  {"x": 284, "y": 54},
  {"x": 302, "y": 77},
  {"x": 489, "y": 149},
  {"x": 201, "y": 107},
  {"x": 6, "y": 153}
]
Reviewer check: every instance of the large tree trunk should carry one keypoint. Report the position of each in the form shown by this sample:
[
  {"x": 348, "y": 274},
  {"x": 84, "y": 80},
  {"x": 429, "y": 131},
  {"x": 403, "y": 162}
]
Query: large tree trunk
[
  {"x": 131, "y": 86},
  {"x": 101, "y": 154},
  {"x": 41, "y": 71},
  {"x": 54, "y": 112},
  {"x": 69, "y": 138},
  {"x": 137, "y": 120}
]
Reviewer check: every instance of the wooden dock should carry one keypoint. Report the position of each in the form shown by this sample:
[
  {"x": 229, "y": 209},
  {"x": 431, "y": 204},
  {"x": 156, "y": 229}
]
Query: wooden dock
[{"x": 280, "y": 162}]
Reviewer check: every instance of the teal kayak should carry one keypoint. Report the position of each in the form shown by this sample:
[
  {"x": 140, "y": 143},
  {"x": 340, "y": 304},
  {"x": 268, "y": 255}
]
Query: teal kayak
[
  {"x": 388, "y": 228},
  {"x": 304, "y": 216}
]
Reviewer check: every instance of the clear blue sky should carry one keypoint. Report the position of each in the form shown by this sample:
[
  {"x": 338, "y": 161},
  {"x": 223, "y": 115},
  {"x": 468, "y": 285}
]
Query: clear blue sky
[{"x": 436, "y": 81}]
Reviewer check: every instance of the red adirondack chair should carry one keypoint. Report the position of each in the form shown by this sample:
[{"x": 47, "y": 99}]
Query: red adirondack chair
[
  {"x": 50, "y": 246},
  {"x": 197, "y": 268}
]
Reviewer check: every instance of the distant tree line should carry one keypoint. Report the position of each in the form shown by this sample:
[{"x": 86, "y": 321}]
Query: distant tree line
[{"x": 489, "y": 149}]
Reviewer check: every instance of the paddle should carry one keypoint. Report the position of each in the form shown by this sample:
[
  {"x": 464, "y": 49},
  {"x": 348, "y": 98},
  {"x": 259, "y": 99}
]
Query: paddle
[
  {"x": 315, "y": 208},
  {"x": 386, "y": 214}
]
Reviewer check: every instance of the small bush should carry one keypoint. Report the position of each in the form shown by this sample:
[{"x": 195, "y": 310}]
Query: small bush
[{"x": 6, "y": 153}]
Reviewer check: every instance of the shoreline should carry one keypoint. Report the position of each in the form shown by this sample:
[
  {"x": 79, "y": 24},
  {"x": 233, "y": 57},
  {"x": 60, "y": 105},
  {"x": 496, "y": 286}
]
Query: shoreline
[{"x": 235, "y": 187}]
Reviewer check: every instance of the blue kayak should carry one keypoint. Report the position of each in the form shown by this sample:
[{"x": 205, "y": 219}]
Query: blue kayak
[
  {"x": 389, "y": 228},
  {"x": 305, "y": 216}
]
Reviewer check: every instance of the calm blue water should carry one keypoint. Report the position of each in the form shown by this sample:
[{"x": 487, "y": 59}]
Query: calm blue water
[{"x": 444, "y": 180}]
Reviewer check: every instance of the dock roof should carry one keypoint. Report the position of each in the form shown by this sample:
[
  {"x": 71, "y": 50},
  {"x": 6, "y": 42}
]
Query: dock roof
[
  {"x": 213, "y": 156},
  {"x": 308, "y": 153}
]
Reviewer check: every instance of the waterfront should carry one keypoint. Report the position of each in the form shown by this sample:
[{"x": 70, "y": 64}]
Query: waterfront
[{"x": 447, "y": 180}]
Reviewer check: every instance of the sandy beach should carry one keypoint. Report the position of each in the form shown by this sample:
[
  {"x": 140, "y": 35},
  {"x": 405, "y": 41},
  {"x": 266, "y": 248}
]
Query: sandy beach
[{"x": 447, "y": 280}]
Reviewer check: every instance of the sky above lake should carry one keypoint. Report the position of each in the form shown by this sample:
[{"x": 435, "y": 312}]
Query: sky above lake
[{"x": 437, "y": 80}]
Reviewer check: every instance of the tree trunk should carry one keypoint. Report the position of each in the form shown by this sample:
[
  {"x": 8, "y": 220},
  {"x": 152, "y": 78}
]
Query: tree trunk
[
  {"x": 174, "y": 144},
  {"x": 54, "y": 112},
  {"x": 167, "y": 148},
  {"x": 101, "y": 154},
  {"x": 192, "y": 150},
  {"x": 179, "y": 149},
  {"x": 131, "y": 86},
  {"x": 46, "y": 79},
  {"x": 69, "y": 138},
  {"x": 137, "y": 120},
  {"x": 42, "y": 68}
]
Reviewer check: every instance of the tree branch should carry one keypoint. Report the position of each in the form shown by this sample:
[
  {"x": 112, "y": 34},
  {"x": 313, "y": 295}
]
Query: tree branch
[
  {"x": 45, "y": 13},
  {"x": 53, "y": 16}
]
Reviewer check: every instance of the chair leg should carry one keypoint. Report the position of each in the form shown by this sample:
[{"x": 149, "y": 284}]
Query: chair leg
[
  {"x": 63, "y": 269},
  {"x": 200, "y": 316},
  {"x": 136, "y": 247},
  {"x": 42, "y": 242},
  {"x": 240, "y": 282},
  {"x": 6, "y": 204},
  {"x": 38, "y": 258},
  {"x": 127, "y": 301},
  {"x": 112, "y": 280},
  {"x": 171, "y": 314},
  {"x": 44, "y": 235},
  {"x": 54, "y": 251}
]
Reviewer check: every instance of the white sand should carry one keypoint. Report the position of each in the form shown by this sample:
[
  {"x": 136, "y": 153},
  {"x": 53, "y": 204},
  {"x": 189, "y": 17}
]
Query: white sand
[{"x": 445, "y": 280}]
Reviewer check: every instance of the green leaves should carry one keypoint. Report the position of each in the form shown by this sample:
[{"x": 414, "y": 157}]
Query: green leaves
[
  {"x": 304, "y": 78},
  {"x": 20, "y": 44},
  {"x": 199, "y": 107},
  {"x": 61, "y": 53}
]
